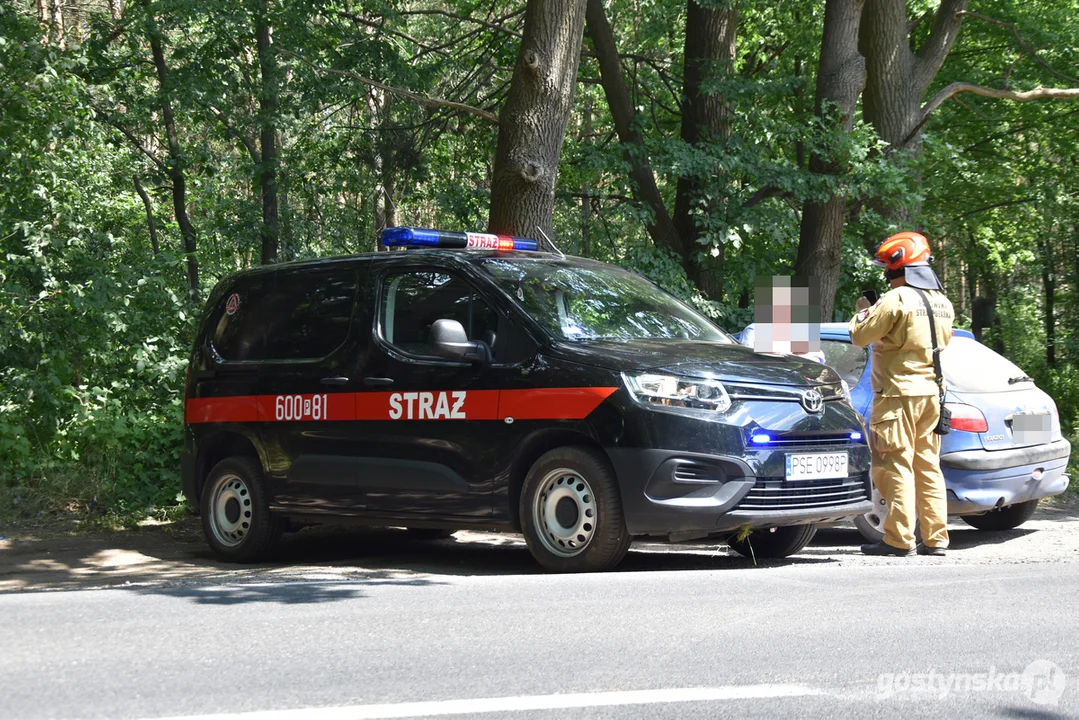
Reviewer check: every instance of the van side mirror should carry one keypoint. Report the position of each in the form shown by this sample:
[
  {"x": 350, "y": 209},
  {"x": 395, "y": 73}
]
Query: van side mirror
[{"x": 449, "y": 340}]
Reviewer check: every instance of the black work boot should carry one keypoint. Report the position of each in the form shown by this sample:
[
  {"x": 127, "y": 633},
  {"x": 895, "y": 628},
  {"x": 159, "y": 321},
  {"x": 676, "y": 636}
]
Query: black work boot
[
  {"x": 883, "y": 548},
  {"x": 934, "y": 551}
]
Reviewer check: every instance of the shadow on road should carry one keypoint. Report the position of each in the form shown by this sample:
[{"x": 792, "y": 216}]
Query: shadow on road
[
  {"x": 177, "y": 555},
  {"x": 301, "y": 593}
]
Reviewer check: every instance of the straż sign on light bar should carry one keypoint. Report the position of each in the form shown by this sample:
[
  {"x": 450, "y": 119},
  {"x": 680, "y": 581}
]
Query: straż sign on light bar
[{"x": 420, "y": 237}]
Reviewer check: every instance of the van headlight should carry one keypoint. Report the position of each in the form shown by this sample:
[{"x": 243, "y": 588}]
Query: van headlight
[{"x": 678, "y": 394}]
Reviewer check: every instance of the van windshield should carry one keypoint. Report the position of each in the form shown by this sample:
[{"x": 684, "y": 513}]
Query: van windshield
[{"x": 594, "y": 301}]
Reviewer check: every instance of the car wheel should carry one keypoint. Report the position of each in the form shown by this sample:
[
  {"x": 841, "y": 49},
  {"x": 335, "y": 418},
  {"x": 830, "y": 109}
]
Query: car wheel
[
  {"x": 571, "y": 512},
  {"x": 871, "y": 525},
  {"x": 236, "y": 517},
  {"x": 778, "y": 542},
  {"x": 429, "y": 533},
  {"x": 1005, "y": 518}
]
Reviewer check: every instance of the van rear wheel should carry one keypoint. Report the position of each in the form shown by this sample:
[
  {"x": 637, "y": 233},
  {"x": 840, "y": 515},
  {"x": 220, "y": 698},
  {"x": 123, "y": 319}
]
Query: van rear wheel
[
  {"x": 571, "y": 512},
  {"x": 777, "y": 542},
  {"x": 236, "y": 517}
]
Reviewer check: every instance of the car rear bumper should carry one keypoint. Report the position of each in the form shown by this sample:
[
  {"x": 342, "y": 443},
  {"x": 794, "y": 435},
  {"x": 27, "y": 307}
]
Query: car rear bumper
[
  {"x": 991, "y": 460},
  {"x": 975, "y": 491},
  {"x": 683, "y": 495}
]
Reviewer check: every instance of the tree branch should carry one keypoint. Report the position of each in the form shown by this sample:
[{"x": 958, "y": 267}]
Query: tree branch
[
  {"x": 414, "y": 97},
  {"x": 932, "y": 53},
  {"x": 1038, "y": 93},
  {"x": 249, "y": 143},
  {"x": 764, "y": 193},
  {"x": 381, "y": 27},
  {"x": 131, "y": 138},
  {"x": 465, "y": 18},
  {"x": 1031, "y": 51},
  {"x": 994, "y": 206}
]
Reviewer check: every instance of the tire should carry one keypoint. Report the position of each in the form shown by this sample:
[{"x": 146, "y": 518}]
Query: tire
[
  {"x": 871, "y": 525},
  {"x": 779, "y": 542},
  {"x": 429, "y": 533},
  {"x": 1005, "y": 518},
  {"x": 571, "y": 512},
  {"x": 236, "y": 517}
]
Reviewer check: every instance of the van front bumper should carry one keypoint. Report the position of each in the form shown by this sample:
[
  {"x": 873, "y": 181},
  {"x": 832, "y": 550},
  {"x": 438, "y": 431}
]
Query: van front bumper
[{"x": 682, "y": 495}]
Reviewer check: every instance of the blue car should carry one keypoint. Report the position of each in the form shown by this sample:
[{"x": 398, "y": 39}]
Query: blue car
[{"x": 1005, "y": 451}]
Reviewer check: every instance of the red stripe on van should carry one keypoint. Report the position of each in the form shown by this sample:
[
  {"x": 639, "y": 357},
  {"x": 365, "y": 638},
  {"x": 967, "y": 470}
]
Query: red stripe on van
[
  {"x": 241, "y": 408},
  {"x": 531, "y": 404},
  {"x": 551, "y": 403}
]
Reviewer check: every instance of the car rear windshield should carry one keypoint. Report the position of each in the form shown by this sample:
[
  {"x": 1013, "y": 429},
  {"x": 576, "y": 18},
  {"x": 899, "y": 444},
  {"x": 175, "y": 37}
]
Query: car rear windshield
[
  {"x": 594, "y": 301},
  {"x": 969, "y": 366}
]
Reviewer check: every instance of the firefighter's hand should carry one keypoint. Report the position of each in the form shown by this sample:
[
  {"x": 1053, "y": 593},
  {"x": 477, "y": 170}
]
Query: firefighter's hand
[{"x": 862, "y": 303}]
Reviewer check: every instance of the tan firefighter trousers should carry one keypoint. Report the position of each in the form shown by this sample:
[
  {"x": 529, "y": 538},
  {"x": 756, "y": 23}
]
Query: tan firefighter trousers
[{"x": 906, "y": 468}]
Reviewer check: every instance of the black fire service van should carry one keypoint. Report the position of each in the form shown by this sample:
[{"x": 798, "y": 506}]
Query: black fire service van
[{"x": 474, "y": 382}]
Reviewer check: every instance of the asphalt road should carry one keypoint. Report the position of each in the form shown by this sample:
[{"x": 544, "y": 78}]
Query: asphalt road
[{"x": 806, "y": 639}]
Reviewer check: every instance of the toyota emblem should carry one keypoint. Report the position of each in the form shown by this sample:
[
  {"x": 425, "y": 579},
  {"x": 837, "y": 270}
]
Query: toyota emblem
[{"x": 812, "y": 401}]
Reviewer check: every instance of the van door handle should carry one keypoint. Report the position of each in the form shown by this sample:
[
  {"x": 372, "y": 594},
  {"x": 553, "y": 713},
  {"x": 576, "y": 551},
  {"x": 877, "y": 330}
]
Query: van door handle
[
  {"x": 335, "y": 381},
  {"x": 377, "y": 381}
]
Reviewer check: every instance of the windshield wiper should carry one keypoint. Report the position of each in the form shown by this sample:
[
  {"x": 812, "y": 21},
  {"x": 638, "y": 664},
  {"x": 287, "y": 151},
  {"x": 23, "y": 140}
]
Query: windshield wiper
[{"x": 1021, "y": 378}]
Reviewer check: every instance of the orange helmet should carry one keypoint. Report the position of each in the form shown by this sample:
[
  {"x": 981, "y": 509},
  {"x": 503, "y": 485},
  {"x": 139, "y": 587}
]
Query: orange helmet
[{"x": 902, "y": 249}]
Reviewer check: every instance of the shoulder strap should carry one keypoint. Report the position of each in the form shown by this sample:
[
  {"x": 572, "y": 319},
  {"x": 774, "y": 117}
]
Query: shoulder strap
[{"x": 933, "y": 336}]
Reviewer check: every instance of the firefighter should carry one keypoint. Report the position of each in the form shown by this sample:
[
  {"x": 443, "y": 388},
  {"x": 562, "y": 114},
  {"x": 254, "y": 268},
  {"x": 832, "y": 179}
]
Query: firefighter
[{"x": 908, "y": 392}]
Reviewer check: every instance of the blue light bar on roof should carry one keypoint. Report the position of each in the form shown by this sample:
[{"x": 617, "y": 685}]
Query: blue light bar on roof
[{"x": 419, "y": 237}]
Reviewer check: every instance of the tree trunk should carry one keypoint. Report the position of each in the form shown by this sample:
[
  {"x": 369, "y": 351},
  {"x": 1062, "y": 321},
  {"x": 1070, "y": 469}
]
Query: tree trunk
[
  {"x": 150, "y": 224},
  {"x": 586, "y": 201},
  {"x": 176, "y": 159},
  {"x": 56, "y": 21},
  {"x": 267, "y": 131},
  {"x": 1045, "y": 253},
  {"x": 660, "y": 226},
  {"x": 840, "y": 80},
  {"x": 709, "y": 50},
  {"x": 532, "y": 124},
  {"x": 897, "y": 77}
]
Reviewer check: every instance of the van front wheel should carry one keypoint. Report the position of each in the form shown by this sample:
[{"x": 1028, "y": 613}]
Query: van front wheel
[
  {"x": 777, "y": 542},
  {"x": 571, "y": 512}
]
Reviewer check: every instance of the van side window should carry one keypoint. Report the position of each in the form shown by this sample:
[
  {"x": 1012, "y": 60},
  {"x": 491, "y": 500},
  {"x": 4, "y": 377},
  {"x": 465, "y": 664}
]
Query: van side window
[
  {"x": 239, "y": 334},
  {"x": 413, "y": 301},
  {"x": 289, "y": 316}
]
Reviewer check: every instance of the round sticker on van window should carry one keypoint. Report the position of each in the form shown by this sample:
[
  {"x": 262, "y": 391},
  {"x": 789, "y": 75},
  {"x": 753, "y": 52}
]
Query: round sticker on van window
[{"x": 233, "y": 304}]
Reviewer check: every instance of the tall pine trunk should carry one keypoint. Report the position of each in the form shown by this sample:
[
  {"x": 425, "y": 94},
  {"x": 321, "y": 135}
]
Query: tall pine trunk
[
  {"x": 176, "y": 158},
  {"x": 660, "y": 226},
  {"x": 840, "y": 79},
  {"x": 532, "y": 124},
  {"x": 267, "y": 131},
  {"x": 711, "y": 34}
]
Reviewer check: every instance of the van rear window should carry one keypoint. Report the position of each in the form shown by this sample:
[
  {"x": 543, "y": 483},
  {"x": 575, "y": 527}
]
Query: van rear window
[{"x": 294, "y": 316}]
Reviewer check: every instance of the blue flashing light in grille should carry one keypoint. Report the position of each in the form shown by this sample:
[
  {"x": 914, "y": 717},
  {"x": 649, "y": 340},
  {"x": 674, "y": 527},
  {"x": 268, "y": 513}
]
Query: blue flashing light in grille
[
  {"x": 761, "y": 439},
  {"x": 855, "y": 436},
  {"x": 420, "y": 237}
]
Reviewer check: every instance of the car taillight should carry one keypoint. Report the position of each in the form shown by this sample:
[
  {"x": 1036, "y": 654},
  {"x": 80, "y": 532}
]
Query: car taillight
[{"x": 967, "y": 418}]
